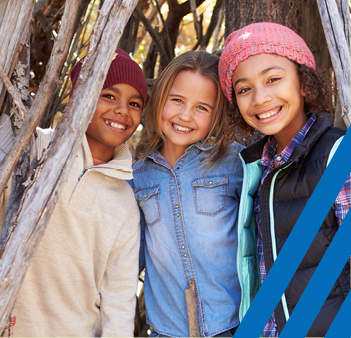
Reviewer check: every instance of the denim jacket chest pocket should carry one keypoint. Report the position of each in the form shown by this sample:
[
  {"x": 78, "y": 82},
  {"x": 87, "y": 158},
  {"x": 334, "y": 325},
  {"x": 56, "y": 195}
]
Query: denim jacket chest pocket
[
  {"x": 210, "y": 194},
  {"x": 148, "y": 200}
]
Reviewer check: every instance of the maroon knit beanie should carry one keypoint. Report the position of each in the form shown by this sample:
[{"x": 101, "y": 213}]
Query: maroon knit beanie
[
  {"x": 258, "y": 38},
  {"x": 122, "y": 70}
]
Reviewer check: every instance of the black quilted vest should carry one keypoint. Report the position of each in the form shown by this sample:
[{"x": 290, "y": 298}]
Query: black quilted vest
[{"x": 293, "y": 187}]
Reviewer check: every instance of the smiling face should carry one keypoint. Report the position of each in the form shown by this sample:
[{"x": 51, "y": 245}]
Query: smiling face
[
  {"x": 187, "y": 113},
  {"x": 116, "y": 117},
  {"x": 269, "y": 97}
]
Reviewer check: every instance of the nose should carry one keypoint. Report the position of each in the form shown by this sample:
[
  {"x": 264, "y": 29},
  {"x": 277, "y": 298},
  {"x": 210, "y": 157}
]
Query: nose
[
  {"x": 261, "y": 96},
  {"x": 121, "y": 108},
  {"x": 185, "y": 114}
]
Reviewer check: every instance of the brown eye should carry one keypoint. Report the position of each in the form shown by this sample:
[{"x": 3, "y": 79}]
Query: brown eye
[
  {"x": 273, "y": 79},
  {"x": 135, "y": 104},
  {"x": 108, "y": 96},
  {"x": 243, "y": 90}
]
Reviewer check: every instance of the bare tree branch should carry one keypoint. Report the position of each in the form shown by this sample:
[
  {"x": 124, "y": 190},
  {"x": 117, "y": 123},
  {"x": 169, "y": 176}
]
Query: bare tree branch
[
  {"x": 344, "y": 10},
  {"x": 168, "y": 38},
  {"x": 197, "y": 27},
  {"x": 153, "y": 34},
  {"x": 199, "y": 34},
  {"x": 46, "y": 26},
  {"x": 16, "y": 31},
  {"x": 39, "y": 5},
  {"x": 339, "y": 52},
  {"x": 77, "y": 45},
  {"x": 13, "y": 92},
  {"x": 213, "y": 24}
]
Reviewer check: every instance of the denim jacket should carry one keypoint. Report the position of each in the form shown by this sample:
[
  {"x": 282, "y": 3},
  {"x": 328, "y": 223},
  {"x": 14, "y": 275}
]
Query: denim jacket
[{"x": 190, "y": 232}]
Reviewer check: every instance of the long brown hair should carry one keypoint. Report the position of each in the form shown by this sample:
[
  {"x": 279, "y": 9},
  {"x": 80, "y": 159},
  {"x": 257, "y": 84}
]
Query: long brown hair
[{"x": 206, "y": 64}]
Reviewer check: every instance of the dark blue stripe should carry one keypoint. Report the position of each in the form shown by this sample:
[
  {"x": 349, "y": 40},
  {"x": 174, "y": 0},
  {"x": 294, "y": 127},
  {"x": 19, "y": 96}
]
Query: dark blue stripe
[
  {"x": 341, "y": 327},
  {"x": 298, "y": 242},
  {"x": 321, "y": 283}
]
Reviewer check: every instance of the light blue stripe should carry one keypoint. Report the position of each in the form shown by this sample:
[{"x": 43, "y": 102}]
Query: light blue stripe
[
  {"x": 320, "y": 284},
  {"x": 333, "y": 150},
  {"x": 341, "y": 327},
  {"x": 298, "y": 242}
]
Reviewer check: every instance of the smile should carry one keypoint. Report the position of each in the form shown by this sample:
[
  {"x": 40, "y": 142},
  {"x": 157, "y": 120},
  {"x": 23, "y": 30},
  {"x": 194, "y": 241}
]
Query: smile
[
  {"x": 180, "y": 128},
  {"x": 268, "y": 114},
  {"x": 115, "y": 125}
]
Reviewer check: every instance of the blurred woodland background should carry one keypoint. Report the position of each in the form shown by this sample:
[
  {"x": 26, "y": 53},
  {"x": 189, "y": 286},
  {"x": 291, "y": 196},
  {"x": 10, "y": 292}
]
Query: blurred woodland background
[
  {"x": 159, "y": 30},
  {"x": 156, "y": 32}
]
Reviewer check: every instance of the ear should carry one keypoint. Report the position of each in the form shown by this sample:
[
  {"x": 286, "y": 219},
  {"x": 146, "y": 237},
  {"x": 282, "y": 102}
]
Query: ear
[{"x": 302, "y": 92}]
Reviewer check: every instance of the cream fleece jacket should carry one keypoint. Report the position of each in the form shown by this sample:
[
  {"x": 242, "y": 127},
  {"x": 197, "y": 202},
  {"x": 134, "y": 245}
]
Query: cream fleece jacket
[{"x": 83, "y": 278}]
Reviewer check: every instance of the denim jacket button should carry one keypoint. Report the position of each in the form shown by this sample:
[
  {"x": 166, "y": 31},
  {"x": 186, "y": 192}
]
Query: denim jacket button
[
  {"x": 184, "y": 255},
  {"x": 177, "y": 206},
  {"x": 183, "y": 247},
  {"x": 177, "y": 215}
]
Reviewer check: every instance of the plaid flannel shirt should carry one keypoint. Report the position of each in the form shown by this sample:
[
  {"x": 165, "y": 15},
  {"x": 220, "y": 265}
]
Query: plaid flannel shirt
[{"x": 341, "y": 204}]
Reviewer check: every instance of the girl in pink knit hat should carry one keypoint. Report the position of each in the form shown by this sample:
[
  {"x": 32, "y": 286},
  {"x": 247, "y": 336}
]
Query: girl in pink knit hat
[{"x": 268, "y": 74}]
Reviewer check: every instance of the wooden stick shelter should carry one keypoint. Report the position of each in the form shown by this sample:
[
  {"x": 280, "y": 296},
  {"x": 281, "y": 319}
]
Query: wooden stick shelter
[{"x": 40, "y": 199}]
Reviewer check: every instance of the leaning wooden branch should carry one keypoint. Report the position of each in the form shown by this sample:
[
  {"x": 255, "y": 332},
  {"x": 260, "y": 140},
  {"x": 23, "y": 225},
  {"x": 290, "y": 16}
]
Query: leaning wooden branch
[
  {"x": 164, "y": 23},
  {"x": 31, "y": 121},
  {"x": 153, "y": 34},
  {"x": 196, "y": 21},
  {"x": 339, "y": 52},
  {"x": 41, "y": 198},
  {"x": 13, "y": 92},
  {"x": 213, "y": 23},
  {"x": 344, "y": 10},
  {"x": 39, "y": 5},
  {"x": 58, "y": 57},
  {"x": 46, "y": 27}
]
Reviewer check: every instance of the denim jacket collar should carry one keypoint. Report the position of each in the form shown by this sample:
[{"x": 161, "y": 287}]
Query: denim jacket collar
[{"x": 199, "y": 145}]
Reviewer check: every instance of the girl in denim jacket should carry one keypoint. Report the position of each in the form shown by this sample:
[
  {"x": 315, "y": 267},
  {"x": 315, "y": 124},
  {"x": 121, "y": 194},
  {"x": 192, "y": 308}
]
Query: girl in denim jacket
[{"x": 188, "y": 186}]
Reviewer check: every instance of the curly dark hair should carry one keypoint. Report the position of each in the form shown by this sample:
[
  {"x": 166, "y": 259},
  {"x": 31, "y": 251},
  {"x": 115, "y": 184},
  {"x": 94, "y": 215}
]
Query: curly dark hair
[{"x": 316, "y": 87}]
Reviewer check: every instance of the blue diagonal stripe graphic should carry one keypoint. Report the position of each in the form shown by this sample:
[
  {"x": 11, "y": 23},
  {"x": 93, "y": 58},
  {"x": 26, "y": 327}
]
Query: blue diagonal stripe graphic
[
  {"x": 298, "y": 242},
  {"x": 341, "y": 327},
  {"x": 320, "y": 284}
]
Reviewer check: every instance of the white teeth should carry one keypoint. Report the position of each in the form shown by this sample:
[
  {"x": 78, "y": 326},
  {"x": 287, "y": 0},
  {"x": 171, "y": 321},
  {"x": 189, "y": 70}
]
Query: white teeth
[
  {"x": 180, "y": 128},
  {"x": 116, "y": 125},
  {"x": 268, "y": 114}
]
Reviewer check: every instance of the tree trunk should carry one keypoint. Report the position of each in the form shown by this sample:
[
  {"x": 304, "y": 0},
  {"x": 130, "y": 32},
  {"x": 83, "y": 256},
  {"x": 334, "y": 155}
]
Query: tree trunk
[
  {"x": 312, "y": 32},
  {"x": 302, "y": 16},
  {"x": 245, "y": 12},
  {"x": 339, "y": 46},
  {"x": 129, "y": 36}
]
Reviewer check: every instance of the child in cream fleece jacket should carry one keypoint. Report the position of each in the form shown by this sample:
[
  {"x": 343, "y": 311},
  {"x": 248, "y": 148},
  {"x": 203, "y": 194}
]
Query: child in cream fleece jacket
[{"x": 83, "y": 278}]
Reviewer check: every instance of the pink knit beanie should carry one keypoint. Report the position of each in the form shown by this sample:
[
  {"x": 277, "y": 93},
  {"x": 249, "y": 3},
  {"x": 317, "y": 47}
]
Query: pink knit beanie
[
  {"x": 258, "y": 38},
  {"x": 122, "y": 70}
]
